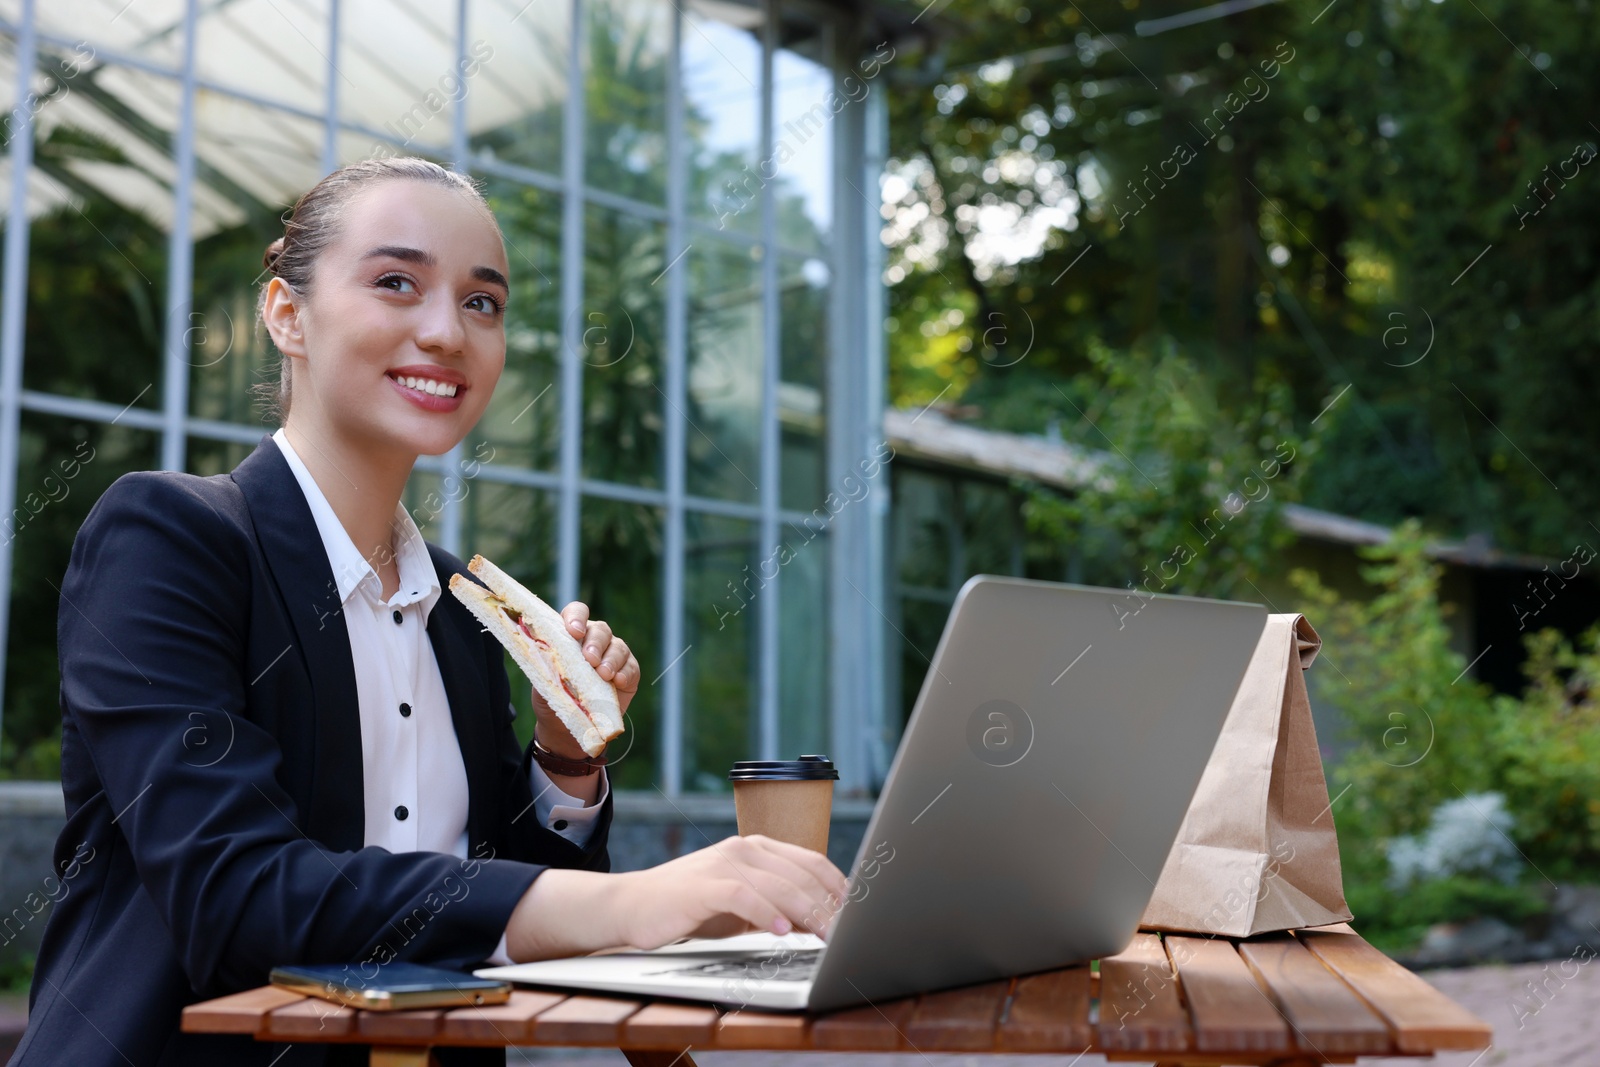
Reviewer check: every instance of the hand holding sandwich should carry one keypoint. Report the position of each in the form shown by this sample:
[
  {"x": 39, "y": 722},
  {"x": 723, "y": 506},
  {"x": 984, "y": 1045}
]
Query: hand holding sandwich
[
  {"x": 583, "y": 677},
  {"x": 611, "y": 658}
]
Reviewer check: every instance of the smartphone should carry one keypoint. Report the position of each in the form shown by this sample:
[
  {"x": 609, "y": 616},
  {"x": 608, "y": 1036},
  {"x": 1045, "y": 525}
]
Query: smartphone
[{"x": 396, "y": 986}]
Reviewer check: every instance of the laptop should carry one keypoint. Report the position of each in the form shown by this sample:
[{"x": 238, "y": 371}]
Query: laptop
[{"x": 1038, "y": 786}]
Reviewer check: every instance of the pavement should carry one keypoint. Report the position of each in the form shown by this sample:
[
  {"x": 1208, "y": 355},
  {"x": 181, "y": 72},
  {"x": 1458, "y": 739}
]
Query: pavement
[{"x": 1542, "y": 1014}]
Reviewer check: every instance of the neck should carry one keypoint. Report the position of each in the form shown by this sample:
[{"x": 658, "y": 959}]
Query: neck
[{"x": 362, "y": 483}]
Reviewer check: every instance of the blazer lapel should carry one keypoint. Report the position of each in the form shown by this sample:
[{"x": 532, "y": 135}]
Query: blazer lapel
[
  {"x": 454, "y": 634},
  {"x": 336, "y": 814}
]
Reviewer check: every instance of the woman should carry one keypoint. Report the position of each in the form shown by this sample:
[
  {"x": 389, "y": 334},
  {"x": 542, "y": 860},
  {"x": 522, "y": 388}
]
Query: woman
[{"x": 281, "y": 743}]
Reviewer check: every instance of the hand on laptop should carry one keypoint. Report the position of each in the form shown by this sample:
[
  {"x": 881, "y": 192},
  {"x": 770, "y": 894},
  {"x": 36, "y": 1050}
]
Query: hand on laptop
[{"x": 738, "y": 885}]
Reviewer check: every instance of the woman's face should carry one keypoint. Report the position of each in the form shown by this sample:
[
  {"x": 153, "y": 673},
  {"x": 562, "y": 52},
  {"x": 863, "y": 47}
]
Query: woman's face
[{"x": 407, "y": 308}]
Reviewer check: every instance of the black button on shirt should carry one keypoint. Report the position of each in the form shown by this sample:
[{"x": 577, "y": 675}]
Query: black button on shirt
[
  {"x": 405, "y": 711},
  {"x": 397, "y": 617},
  {"x": 559, "y": 824},
  {"x": 401, "y": 813}
]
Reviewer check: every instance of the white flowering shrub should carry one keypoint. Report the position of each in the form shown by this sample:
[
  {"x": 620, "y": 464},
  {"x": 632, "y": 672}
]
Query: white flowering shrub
[{"x": 1468, "y": 835}]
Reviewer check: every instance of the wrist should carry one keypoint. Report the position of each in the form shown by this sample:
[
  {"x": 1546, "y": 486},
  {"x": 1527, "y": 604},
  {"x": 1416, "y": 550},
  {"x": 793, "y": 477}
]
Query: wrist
[
  {"x": 559, "y": 742},
  {"x": 568, "y": 912},
  {"x": 618, "y": 908}
]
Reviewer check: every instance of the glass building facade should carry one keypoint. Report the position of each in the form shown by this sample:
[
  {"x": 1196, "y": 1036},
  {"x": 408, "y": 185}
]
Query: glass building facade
[{"x": 693, "y": 381}]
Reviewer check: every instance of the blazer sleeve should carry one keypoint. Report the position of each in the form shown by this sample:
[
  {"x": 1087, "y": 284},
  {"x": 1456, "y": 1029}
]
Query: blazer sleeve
[{"x": 153, "y": 642}]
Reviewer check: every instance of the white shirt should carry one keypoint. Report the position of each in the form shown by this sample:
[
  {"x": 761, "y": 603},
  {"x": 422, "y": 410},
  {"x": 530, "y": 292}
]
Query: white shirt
[{"x": 414, "y": 782}]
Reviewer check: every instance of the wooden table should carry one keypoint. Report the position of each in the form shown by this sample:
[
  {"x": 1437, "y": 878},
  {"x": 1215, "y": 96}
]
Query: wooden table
[{"x": 1318, "y": 996}]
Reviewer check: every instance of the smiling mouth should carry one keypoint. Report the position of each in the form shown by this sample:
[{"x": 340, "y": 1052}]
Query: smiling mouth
[{"x": 425, "y": 385}]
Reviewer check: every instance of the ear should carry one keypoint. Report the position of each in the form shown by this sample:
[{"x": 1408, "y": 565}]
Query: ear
[{"x": 281, "y": 314}]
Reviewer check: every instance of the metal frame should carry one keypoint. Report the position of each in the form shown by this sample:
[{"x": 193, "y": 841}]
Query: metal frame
[
  {"x": 180, "y": 262},
  {"x": 853, "y": 368},
  {"x": 13, "y": 308},
  {"x": 572, "y": 210},
  {"x": 767, "y": 619},
  {"x": 673, "y": 539}
]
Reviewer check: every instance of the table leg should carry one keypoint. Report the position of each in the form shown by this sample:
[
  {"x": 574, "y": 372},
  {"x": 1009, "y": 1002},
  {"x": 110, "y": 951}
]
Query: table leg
[
  {"x": 410, "y": 1056},
  {"x": 652, "y": 1057}
]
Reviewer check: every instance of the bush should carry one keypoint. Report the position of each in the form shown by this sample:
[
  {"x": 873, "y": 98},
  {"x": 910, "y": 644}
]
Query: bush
[
  {"x": 1469, "y": 836},
  {"x": 1548, "y": 746},
  {"x": 1420, "y": 731},
  {"x": 1427, "y": 743}
]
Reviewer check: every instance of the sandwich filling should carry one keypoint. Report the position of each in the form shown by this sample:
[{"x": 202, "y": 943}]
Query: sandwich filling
[{"x": 522, "y": 624}]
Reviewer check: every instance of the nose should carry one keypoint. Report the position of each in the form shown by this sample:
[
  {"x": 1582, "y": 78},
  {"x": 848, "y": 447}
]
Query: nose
[{"x": 439, "y": 327}]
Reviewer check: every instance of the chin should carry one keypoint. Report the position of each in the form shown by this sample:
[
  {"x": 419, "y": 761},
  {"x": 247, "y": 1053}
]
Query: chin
[{"x": 422, "y": 438}]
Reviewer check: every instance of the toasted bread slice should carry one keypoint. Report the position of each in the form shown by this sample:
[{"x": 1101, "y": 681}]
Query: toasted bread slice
[{"x": 538, "y": 639}]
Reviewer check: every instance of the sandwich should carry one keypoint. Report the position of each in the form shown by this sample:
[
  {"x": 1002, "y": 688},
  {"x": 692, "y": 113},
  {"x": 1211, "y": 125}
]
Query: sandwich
[{"x": 538, "y": 639}]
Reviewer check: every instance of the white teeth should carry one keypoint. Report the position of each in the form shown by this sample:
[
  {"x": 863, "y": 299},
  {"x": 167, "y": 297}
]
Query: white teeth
[{"x": 429, "y": 386}]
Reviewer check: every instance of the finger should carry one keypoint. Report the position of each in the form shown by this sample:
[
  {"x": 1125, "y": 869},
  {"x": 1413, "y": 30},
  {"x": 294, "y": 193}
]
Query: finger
[
  {"x": 820, "y": 867},
  {"x": 799, "y": 907},
  {"x": 805, "y": 899},
  {"x": 821, "y": 902},
  {"x": 616, "y": 657},
  {"x": 735, "y": 896},
  {"x": 628, "y": 677},
  {"x": 596, "y": 642},
  {"x": 576, "y": 615}
]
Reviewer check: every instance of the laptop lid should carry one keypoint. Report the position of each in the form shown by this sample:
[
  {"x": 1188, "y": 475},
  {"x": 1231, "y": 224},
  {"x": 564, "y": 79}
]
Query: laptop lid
[{"x": 1039, "y": 784}]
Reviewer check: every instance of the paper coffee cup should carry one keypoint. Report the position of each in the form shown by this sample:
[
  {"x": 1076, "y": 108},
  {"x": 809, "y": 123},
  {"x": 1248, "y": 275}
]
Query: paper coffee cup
[{"x": 790, "y": 800}]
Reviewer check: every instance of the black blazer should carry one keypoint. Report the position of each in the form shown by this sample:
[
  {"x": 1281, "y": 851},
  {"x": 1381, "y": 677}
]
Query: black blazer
[{"x": 211, "y": 761}]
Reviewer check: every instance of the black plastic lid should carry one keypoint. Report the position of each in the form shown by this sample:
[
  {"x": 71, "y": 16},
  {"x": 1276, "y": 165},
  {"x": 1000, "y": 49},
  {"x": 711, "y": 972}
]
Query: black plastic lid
[{"x": 804, "y": 769}]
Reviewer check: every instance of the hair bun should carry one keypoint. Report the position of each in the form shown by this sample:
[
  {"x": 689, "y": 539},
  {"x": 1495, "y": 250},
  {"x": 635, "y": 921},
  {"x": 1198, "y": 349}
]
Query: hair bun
[{"x": 269, "y": 258}]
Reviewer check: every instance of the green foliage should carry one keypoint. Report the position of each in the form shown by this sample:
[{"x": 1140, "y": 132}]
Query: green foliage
[
  {"x": 1420, "y": 733},
  {"x": 1395, "y": 921},
  {"x": 1549, "y": 755},
  {"x": 16, "y": 973},
  {"x": 1187, "y": 495},
  {"x": 1322, "y": 230}
]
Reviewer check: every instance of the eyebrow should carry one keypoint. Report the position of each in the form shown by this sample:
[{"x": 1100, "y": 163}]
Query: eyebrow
[{"x": 426, "y": 259}]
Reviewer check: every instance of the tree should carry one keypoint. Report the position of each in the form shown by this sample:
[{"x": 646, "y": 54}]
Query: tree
[{"x": 1337, "y": 200}]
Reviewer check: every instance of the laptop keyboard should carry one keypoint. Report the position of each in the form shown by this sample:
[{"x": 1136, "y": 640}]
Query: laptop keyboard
[{"x": 798, "y": 965}]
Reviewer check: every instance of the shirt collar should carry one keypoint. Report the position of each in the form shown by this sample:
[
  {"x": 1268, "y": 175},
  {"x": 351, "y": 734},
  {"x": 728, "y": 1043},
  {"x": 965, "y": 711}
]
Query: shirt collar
[{"x": 419, "y": 582}]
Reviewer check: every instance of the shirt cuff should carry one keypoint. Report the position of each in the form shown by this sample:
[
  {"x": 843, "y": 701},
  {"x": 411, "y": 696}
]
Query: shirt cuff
[
  {"x": 552, "y": 806},
  {"x": 500, "y": 959}
]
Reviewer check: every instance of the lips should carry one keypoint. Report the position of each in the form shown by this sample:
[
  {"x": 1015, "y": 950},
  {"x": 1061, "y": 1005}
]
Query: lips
[{"x": 430, "y": 388}]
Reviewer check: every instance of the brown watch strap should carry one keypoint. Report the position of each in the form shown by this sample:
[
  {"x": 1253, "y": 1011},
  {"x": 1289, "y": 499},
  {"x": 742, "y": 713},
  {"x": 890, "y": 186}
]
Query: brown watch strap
[{"x": 563, "y": 765}]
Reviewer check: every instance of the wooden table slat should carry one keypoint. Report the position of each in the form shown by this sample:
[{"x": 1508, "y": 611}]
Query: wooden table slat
[
  {"x": 871, "y": 1028},
  {"x": 675, "y": 1026},
  {"x": 1326, "y": 1016},
  {"x": 399, "y": 1027},
  {"x": 311, "y": 1018},
  {"x": 1048, "y": 1013},
  {"x": 763, "y": 1030},
  {"x": 1140, "y": 1010},
  {"x": 1422, "y": 1018},
  {"x": 237, "y": 1013},
  {"x": 962, "y": 1019},
  {"x": 1227, "y": 1008},
  {"x": 584, "y": 1020},
  {"x": 504, "y": 1024},
  {"x": 1321, "y": 994}
]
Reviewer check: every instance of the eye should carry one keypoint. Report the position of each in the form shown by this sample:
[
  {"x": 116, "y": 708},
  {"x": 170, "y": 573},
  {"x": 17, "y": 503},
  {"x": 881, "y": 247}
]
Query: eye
[
  {"x": 398, "y": 283},
  {"x": 485, "y": 303}
]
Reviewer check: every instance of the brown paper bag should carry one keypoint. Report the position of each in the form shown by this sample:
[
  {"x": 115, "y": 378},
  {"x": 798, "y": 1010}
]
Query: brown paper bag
[{"x": 1257, "y": 850}]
